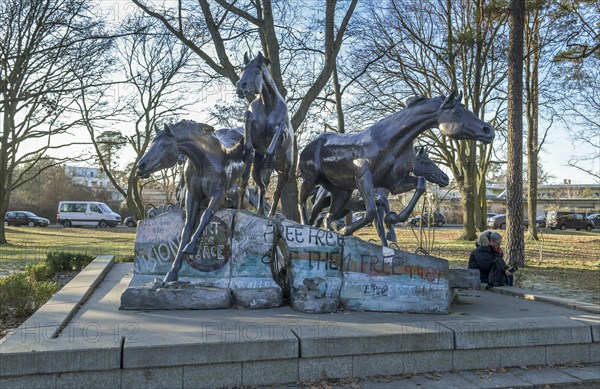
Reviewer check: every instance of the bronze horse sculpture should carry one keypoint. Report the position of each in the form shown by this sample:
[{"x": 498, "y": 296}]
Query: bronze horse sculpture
[
  {"x": 367, "y": 160},
  {"x": 215, "y": 167},
  {"x": 267, "y": 129},
  {"x": 418, "y": 163}
]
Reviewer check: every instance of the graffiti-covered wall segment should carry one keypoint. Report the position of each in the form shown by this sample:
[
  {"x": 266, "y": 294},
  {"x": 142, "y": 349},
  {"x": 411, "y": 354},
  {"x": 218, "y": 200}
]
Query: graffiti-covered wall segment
[{"x": 250, "y": 261}]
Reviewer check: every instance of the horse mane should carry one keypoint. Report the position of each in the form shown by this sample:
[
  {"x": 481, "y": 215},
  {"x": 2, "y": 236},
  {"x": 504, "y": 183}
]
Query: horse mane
[
  {"x": 413, "y": 100},
  {"x": 198, "y": 126}
]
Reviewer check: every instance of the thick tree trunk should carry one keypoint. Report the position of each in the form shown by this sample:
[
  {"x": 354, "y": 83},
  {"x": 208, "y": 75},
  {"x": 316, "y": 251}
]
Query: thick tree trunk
[{"x": 515, "y": 245}]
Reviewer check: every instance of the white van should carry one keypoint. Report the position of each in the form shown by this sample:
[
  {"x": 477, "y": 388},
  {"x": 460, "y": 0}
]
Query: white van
[{"x": 86, "y": 213}]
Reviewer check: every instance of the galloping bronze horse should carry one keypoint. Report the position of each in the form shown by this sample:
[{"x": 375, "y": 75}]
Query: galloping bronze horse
[
  {"x": 267, "y": 128},
  {"x": 367, "y": 160},
  {"x": 418, "y": 163},
  {"x": 214, "y": 167}
]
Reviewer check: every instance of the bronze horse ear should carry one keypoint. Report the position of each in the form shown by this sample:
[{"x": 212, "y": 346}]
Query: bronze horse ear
[
  {"x": 168, "y": 131},
  {"x": 246, "y": 59},
  {"x": 156, "y": 129},
  {"x": 264, "y": 60},
  {"x": 450, "y": 100}
]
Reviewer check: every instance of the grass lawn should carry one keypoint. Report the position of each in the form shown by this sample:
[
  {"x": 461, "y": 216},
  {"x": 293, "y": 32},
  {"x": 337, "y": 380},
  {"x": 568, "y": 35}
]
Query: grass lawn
[
  {"x": 563, "y": 263},
  {"x": 29, "y": 245}
]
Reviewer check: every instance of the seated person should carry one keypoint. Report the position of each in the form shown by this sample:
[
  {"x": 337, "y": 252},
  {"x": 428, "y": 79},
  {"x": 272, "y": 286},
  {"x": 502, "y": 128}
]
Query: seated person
[{"x": 487, "y": 257}]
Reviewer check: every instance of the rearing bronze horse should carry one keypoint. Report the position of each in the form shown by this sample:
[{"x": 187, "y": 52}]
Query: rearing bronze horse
[
  {"x": 213, "y": 169},
  {"x": 267, "y": 128},
  {"x": 343, "y": 162}
]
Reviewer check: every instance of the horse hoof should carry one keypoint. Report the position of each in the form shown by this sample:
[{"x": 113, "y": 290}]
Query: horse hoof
[
  {"x": 390, "y": 218},
  {"x": 171, "y": 276}
]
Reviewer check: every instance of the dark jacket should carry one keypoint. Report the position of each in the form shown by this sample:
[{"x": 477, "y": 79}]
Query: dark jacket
[{"x": 483, "y": 258}]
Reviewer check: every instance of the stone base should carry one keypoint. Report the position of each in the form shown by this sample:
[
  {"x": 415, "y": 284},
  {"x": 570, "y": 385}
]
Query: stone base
[
  {"x": 322, "y": 305},
  {"x": 175, "y": 296},
  {"x": 464, "y": 278},
  {"x": 257, "y": 298}
]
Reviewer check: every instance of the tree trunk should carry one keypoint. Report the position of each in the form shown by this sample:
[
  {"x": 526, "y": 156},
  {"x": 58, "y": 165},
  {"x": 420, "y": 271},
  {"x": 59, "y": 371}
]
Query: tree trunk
[
  {"x": 515, "y": 246},
  {"x": 532, "y": 80}
]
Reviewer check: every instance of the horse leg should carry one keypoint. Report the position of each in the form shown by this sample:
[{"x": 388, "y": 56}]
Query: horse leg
[
  {"x": 383, "y": 209},
  {"x": 322, "y": 200},
  {"x": 247, "y": 157},
  {"x": 283, "y": 175},
  {"x": 306, "y": 187},
  {"x": 192, "y": 208},
  {"x": 257, "y": 175},
  {"x": 420, "y": 185},
  {"x": 364, "y": 181},
  {"x": 277, "y": 136},
  {"x": 339, "y": 198},
  {"x": 206, "y": 217}
]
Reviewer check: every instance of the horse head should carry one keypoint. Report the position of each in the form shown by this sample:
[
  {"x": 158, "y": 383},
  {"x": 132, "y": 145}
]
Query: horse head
[
  {"x": 457, "y": 122},
  {"x": 251, "y": 80},
  {"x": 426, "y": 168},
  {"x": 163, "y": 153}
]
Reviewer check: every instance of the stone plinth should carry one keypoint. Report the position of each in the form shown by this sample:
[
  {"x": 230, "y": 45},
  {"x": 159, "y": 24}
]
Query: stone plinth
[
  {"x": 254, "y": 267},
  {"x": 314, "y": 258},
  {"x": 382, "y": 279},
  {"x": 244, "y": 260}
]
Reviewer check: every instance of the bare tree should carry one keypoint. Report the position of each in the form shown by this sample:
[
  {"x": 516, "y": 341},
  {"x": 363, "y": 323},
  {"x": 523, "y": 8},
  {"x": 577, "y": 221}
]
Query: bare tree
[
  {"x": 515, "y": 245},
  {"x": 156, "y": 76},
  {"x": 300, "y": 38},
  {"x": 428, "y": 48},
  {"x": 51, "y": 51}
]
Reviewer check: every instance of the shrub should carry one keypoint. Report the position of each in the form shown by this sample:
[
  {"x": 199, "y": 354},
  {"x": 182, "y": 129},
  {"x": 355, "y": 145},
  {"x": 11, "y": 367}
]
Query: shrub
[
  {"x": 61, "y": 261},
  {"x": 79, "y": 261},
  {"x": 20, "y": 296},
  {"x": 38, "y": 272},
  {"x": 126, "y": 258}
]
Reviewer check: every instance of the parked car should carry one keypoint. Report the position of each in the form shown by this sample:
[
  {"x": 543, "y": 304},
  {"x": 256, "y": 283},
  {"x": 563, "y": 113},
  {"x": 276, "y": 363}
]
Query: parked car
[
  {"x": 595, "y": 218},
  {"x": 572, "y": 220},
  {"x": 491, "y": 214},
  {"x": 130, "y": 221},
  {"x": 499, "y": 221},
  {"x": 540, "y": 221},
  {"x": 86, "y": 213},
  {"x": 24, "y": 218},
  {"x": 437, "y": 218}
]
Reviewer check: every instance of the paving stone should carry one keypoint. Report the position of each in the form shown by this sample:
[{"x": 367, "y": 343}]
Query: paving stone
[
  {"x": 157, "y": 377},
  {"x": 310, "y": 369},
  {"x": 41, "y": 381},
  {"x": 477, "y": 359},
  {"x": 523, "y": 356},
  {"x": 442, "y": 381},
  {"x": 89, "y": 380},
  {"x": 377, "y": 364},
  {"x": 569, "y": 353},
  {"x": 492, "y": 379},
  {"x": 269, "y": 372},
  {"x": 583, "y": 373},
  {"x": 545, "y": 376},
  {"x": 428, "y": 361},
  {"x": 212, "y": 375},
  {"x": 595, "y": 352}
]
